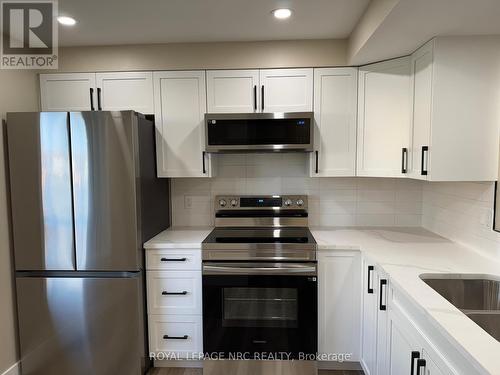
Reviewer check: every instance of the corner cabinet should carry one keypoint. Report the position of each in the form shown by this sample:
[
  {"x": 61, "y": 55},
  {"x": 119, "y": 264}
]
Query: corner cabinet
[
  {"x": 339, "y": 302},
  {"x": 180, "y": 104},
  {"x": 384, "y": 118},
  {"x": 335, "y": 103},
  {"x": 456, "y": 120}
]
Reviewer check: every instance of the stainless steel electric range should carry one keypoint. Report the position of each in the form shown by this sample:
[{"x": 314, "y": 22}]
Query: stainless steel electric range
[{"x": 260, "y": 282}]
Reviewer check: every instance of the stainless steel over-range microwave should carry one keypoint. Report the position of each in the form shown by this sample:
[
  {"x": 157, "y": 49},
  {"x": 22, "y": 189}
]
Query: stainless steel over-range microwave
[{"x": 245, "y": 132}]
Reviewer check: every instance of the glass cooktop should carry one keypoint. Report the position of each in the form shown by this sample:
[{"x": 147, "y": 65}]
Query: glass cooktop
[{"x": 300, "y": 235}]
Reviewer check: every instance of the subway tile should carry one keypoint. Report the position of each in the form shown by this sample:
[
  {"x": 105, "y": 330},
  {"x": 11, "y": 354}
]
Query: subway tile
[
  {"x": 337, "y": 207},
  {"x": 376, "y": 195}
]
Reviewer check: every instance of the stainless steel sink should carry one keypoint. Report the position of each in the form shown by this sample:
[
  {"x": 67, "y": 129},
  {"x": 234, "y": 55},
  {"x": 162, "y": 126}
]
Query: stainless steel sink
[{"x": 477, "y": 296}]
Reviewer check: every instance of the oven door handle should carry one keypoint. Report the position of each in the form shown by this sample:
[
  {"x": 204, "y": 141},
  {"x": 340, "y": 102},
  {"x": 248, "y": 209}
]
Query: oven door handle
[{"x": 257, "y": 269}]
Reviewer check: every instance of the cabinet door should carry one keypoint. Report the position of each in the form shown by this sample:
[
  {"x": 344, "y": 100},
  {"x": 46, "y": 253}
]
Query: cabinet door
[
  {"x": 369, "y": 318},
  {"x": 68, "y": 92},
  {"x": 180, "y": 104},
  {"x": 286, "y": 90},
  {"x": 431, "y": 368},
  {"x": 421, "y": 65},
  {"x": 233, "y": 91},
  {"x": 383, "y": 117},
  {"x": 335, "y": 100},
  {"x": 125, "y": 91},
  {"x": 339, "y": 303},
  {"x": 382, "y": 323},
  {"x": 403, "y": 350}
]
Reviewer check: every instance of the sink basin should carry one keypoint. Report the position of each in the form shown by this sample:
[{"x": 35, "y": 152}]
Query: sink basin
[
  {"x": 489, "y": 321},
  {"x": 477, "y": 296},
  {"x": 467, "y": 292}
]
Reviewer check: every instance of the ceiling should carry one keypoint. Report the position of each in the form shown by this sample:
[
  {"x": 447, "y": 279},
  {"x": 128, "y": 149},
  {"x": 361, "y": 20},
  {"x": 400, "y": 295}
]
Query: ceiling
[
  {"x": 411, "y": 23},
  {"x": 111, "y": 22}
]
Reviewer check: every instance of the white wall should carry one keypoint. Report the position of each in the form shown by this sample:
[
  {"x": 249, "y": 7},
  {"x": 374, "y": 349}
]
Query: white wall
[
  {"x": 333, "y": 201},
  {"x": 463, "y": 212}
]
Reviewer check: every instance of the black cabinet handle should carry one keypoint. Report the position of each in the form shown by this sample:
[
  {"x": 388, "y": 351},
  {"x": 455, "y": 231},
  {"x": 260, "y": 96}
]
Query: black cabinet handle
[
  {"x": 420, "y": 364},
  {"x": 404, "y": 160},
  {"x": 255, "y": 97},
  {"x": 183, "y": 293},
  {"x": 370, "y": 270},
  {"x": 425, "y": 150},
  {"x": 383, "y": 283},
  {"x": 414, "y": 355},
  {"x": 262, "y": 97},
  {"x": 317, "y": 162},
  {"x": 203, "y": 162},
  {"x": 92, "y": 99},
  {"x": 99, "y": 107},
  {"x": 173, "y": 259},
  {"x": 167, "y": 337}
]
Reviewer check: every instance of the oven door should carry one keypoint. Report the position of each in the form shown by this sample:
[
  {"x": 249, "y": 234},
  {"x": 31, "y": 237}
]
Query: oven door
[{"x": 260, "y": 307}]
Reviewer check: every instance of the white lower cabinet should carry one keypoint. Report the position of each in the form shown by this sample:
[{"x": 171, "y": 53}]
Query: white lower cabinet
[
  {"x": 374, "y": 319},
  {"x": 178, "y": 336},
  {"x": 174, "y": 300},
  {"x": 339, "y": 302}
]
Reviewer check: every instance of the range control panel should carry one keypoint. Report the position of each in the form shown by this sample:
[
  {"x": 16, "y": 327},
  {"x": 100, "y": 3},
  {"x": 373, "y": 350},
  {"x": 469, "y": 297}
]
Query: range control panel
[{"x": 261, "y": 202}]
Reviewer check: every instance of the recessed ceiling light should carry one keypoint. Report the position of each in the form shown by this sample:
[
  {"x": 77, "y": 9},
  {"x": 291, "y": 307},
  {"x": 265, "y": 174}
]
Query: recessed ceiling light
[
  {"x": 66, "y": 21},
  {"x": 282, "y": 13}
]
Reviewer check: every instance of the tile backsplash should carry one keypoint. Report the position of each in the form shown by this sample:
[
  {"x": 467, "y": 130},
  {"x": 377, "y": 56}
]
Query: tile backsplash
[
  {"x": 335, "y": 201},
  {"x": 462, "y": 212}
]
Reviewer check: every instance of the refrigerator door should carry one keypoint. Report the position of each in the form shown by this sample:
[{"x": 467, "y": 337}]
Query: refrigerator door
[
  {"x": 103, "y": 154},
  {"x": 40, "y": 185},
  {"x": 80, "y": 326}
]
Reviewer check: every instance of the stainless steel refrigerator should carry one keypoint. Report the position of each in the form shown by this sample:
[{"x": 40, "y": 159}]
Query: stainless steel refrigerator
[{"x": 84, "y": 199}]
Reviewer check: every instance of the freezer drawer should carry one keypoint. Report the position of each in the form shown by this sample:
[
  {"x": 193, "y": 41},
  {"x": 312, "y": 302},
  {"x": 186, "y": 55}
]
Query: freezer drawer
[{"x": 81, "y": 326}]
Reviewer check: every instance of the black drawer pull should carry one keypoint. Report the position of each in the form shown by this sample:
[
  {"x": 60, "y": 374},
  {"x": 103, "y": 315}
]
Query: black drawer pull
[
  {"x": 91, "y": 99},
  {"x": 167, "y": 337},
  {"x": 262, "y": 97},
  {"x": 183, "y": 293},
  {"x": 317, "y": 162},
  {"x": 203, "y": 162},
  {"x": 414, "y": 355},
  {"x": 420, "y": 364},
  {"x": 383, "y": 283},
  {"x": 255, "y": 97},
  {"x": 173, "y": 259},
  {"x": 370, "y": 270},
  {"x": 404, "y": 160},
  {"x": 99, "y": 107},
  {"x": 425, "y": 160}
]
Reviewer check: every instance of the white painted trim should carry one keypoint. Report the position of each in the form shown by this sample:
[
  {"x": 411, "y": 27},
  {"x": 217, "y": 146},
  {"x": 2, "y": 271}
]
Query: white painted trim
[{"x": 15, "y": 369}]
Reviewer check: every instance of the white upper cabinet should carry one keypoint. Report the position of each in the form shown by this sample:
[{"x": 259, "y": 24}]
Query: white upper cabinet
[
  {"x": 97, "y": 91},
  {"x": 286, "y": 90},
  {"x": 68, "y": 92},
  {"x": 455, "y": 109},
  {"x": 335, "y": 100},
  {"x": 384, "y": 118},
  {"x": 125, "y": 91},
  {"x": 232, "y": 91},
  {"x": 180, "y": 104}
]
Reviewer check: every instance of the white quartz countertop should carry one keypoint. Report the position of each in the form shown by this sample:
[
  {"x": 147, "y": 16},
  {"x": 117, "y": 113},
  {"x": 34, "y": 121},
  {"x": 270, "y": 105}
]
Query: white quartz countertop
[
  {"x": 404, "y": 254},
  {"x": 179, "y": 238}
]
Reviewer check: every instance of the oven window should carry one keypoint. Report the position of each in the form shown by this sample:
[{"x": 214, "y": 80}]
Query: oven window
[{"x": 260, "y": 307}]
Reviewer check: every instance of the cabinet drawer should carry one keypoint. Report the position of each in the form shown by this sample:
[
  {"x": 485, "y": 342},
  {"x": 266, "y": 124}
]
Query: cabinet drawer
[
  {"x": 177, "y": 334},
  {"x": 174, "y": 292},
  {"x": 172, "y": 259}
]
